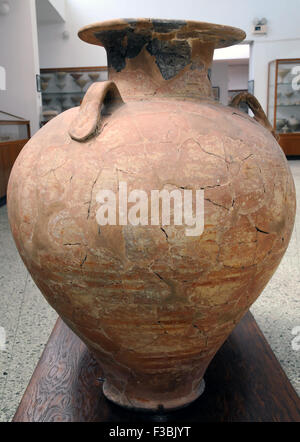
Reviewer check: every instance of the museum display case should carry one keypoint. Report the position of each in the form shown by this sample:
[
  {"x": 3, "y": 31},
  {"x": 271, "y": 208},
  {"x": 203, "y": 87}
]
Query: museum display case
[
  {"x": 14, "y": 134},
  {"x": 63, "y": 88},
  {"x": 284, "y": 102}
]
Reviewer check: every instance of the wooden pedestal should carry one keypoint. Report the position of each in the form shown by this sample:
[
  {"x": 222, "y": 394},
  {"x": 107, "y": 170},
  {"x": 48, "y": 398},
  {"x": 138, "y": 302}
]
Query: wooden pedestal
[{"x": 244, "y": 383}]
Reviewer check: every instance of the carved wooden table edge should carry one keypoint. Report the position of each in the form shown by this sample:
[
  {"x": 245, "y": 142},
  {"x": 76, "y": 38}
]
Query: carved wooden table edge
[{"x": 244, "y": 383}]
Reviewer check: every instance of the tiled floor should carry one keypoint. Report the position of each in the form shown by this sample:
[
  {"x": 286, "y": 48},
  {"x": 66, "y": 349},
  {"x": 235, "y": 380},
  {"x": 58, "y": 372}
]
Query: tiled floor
[{"x": 28, "y": 319}]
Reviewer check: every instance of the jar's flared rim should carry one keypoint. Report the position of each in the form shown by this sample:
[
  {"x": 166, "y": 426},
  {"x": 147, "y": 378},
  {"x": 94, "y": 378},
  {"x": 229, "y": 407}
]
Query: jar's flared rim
[{"x": 162, "y": 29}]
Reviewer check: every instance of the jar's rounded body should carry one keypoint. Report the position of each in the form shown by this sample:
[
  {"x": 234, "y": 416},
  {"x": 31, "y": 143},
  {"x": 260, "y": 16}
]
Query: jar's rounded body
[{"x": 152, "y": 303}]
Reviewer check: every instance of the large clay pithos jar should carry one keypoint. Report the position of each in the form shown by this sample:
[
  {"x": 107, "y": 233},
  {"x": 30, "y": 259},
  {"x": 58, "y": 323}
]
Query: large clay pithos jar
[{"x": 153, "y": 304}]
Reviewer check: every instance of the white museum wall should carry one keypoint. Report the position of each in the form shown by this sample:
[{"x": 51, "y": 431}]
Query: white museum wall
[
  {"x": 238, "y": 76},
  {"x": 19, "y": 57},
  {"x": 219, "y": 78},
  {"x": 229, "y": 76},
  {"x": 282, "y": 39}
]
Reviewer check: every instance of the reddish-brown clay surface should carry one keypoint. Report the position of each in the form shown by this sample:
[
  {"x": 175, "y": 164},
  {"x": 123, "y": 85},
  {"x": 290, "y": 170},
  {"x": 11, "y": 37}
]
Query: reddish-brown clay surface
[{"x": 153, "y": 304}]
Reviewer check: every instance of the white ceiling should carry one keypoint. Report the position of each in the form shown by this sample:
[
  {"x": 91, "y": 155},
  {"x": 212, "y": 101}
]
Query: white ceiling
[{"x": 239, "y": 52}]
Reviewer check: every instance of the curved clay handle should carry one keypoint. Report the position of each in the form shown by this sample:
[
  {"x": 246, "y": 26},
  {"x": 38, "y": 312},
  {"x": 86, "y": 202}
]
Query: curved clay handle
[
  {"x": 87, "y": 121},
  {"x": 253, "y": 103}
]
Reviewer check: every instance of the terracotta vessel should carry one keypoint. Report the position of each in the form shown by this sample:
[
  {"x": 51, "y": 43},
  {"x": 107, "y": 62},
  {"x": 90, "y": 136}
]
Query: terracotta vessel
[{"x": 153, "y": 304}]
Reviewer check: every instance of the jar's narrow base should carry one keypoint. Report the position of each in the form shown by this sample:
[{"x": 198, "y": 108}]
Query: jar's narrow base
[{"x": 151, "y": 406}]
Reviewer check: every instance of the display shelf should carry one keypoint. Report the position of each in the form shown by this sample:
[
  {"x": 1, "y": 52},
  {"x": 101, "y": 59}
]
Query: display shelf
[
  {"x": 58, "y": 85},
  {"x": 283, "y": 107},
  {"x": 63, "y": 93},
  {"x": 279, "y": 84}
]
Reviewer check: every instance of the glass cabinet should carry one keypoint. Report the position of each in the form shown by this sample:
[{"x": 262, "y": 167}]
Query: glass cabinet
[
  {"x": 14, "y": 134},
  {"x": 63, "y": 88},
  {"x": 284, "y": 102}
]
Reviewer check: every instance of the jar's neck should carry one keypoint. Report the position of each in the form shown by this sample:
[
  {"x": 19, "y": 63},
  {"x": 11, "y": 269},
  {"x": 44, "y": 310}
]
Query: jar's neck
[{"x": 162, "y": 69}]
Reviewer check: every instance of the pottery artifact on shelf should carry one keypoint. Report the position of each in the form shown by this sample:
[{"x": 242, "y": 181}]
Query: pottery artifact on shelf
[
  {"x": 61, "y": 99},
  {"x": 76, "y": 76},
  {"x": 282, "y": 73},
  {"x": 44, "y": 85},
  {"x": 47, "y": 100},
  {"x": 46, "y": 78},
  {"x": 76, "y": 99},
  {"x": 152, "y": 298},
  {"x": 60, "y": 85},
  {"x": 280, "y": 123},
  {"x": 61, "y": 75},
  {"x": 82, "y": 82},
  {"x": 49, "y": 114},
  {"x": 293, "y": 123},
  {"x": 285, "y": 129},
  {"x": 94, "y": 76},
  {"x": 289, "y": 94}
]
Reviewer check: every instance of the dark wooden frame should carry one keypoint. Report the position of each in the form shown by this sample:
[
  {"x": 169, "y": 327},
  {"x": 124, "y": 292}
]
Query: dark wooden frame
[
  {"x": 73, "y": 69},
  {"x": 289, "y": 142}
]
